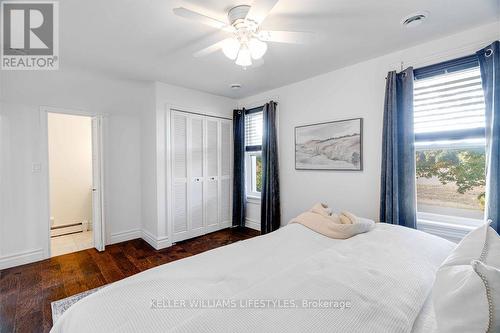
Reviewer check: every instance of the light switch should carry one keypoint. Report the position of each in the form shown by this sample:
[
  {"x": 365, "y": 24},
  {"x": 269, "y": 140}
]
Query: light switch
[{"x": 36, "y": 167}]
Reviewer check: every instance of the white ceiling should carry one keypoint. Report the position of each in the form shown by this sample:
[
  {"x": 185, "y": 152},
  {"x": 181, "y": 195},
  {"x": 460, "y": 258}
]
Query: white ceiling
[{"x": 143, "y": 40}]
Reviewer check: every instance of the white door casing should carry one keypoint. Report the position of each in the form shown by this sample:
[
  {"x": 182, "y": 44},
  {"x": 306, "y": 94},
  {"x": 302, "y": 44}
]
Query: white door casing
[
  {"x": 97, "y": 184},
  {"x": 97, "y": 175}
]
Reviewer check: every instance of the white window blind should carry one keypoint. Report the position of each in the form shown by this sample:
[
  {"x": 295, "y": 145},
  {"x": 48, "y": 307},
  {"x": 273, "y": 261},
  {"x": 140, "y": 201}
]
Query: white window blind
[
  {"x": 449, "y": 102},
  {"x": 253, "y": 129}
]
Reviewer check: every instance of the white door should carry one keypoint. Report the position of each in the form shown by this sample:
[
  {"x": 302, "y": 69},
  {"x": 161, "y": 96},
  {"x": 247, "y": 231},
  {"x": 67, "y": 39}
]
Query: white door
[
  {"x": 97, "y": 184},
  {"x": 212, "y": 153},
  {"x": 201, "y": 152},
  {"x": 196, "y": 178},
  {"x": 226, "y": 173},
  {"x": 179, "y": 143}
]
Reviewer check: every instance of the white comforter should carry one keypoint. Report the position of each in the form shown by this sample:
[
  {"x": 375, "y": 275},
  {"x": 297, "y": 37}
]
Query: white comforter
[{"x": 385, "y": 275}]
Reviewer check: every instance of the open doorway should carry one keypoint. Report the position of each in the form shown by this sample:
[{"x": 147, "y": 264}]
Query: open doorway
[{"x": 74, "y": 179}]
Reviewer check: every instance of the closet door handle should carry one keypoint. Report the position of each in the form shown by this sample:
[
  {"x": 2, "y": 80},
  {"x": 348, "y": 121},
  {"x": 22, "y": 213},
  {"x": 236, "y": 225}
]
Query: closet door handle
[{"x": 212, "y": 178}]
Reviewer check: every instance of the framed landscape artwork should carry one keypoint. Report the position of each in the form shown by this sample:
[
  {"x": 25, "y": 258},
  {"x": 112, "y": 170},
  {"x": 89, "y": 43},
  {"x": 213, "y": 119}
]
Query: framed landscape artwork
[{"x": 335, "y": 145}]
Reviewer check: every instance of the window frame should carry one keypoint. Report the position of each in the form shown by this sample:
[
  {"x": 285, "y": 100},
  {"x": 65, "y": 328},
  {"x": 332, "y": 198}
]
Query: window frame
[
  {"x": 251, "y": 175},
  {"x": 250, "y": 170},
  {"x": 450, "y": 66},
  {"x": 447, "y": 226}
]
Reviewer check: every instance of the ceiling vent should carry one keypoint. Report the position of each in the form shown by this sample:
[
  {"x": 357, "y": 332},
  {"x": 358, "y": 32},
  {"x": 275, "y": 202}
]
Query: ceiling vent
[{"x": 415, "y": 19}]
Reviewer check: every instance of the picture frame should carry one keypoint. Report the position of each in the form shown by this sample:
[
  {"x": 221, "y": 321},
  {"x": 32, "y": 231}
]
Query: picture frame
[{"x": 333, "y": 145}]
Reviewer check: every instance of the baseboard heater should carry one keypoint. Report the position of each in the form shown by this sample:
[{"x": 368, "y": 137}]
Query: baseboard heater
[{"x": 61, "y": 230}]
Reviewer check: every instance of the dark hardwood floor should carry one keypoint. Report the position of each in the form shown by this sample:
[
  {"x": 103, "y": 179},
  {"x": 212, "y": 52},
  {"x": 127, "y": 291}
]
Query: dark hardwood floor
[{"x": 27, "y": 291}]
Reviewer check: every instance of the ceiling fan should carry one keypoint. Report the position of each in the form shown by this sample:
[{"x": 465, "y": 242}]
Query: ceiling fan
[{"x": 248, "y": 41}]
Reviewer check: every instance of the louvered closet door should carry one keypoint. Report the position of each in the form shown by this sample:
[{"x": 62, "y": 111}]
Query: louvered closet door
[
  {"x": 196, "y": 175},
  {"x": 226, "y": 172},
  {"x": 179, "y": 142},
  {"x": 212, "y": 174},
  {"x": 202, "y": 174}
]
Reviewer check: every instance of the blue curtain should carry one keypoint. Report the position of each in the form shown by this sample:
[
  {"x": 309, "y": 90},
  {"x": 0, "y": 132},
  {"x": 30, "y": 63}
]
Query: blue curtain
[
  {"x": 239, "y": 200},
  {"x": 270, "y": 210},
  {"x": 489, "y": 62},
  {"x": 397, "y": 194}
]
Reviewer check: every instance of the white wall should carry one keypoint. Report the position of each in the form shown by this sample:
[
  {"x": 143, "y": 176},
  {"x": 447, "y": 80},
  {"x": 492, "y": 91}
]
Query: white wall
[
  {"x": 135, "y": 150},
  {"x": 154, "y": 131},
  {"x": 354, "y": 91},
  {"x": 22, "y": 228},
  {"x": 70, "y": 168}
]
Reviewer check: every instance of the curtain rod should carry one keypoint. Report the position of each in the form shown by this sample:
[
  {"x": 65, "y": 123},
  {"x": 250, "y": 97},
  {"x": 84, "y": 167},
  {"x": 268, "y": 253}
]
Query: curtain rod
[
  {"x": 452, "y": 65},
  {"x": 457, "y": 52},
  {"x": 256, "y": 109}
]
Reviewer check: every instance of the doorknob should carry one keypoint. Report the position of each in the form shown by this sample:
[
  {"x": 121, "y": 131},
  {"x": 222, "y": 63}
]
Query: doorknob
[{"x": 94, "y": 189}]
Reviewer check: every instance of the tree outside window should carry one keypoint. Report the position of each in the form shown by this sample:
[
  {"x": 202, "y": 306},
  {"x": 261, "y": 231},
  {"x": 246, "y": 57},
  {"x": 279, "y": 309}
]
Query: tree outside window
[
  {"x": 453, "y": 179},
  {"x": 258, "y": 171}
]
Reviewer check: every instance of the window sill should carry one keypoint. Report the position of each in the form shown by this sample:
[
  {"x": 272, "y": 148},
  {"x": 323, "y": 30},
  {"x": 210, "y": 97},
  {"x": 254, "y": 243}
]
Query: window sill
[
  {"x": 448, "y": 227},
  {"x": 253, "y": 199}
]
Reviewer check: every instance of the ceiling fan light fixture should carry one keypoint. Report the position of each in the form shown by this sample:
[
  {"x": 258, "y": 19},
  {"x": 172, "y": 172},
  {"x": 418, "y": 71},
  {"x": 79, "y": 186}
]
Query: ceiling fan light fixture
[
  {"x": 244, "y": 58},
  {"x": 257, "y": 48},
  {"x": 248, "y": 42},
  {"x": 231, "y": 48}
]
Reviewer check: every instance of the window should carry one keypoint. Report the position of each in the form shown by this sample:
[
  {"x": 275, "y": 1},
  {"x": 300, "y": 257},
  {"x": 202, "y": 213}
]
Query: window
[
  {"x": 253, "y": 130},
  {"x": 450, "y": 142},
  {"x": 254, "y": 174},
  {"x": 253, "y": 147}
]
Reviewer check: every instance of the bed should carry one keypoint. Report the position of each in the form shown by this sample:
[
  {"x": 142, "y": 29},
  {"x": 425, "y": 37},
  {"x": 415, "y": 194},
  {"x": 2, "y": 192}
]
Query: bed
[{"x": 291, "y": 280}]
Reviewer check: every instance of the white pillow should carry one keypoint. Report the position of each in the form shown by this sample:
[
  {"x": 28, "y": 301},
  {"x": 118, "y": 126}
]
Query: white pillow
[
  {"x": 460, "y": 301},
  {"x": 467, "y": 285},
  {"x": 481, "y": 244},
  {"x": 491, "y": 279}
]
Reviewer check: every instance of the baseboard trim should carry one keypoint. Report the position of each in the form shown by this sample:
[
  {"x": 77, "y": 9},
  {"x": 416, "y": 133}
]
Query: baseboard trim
[
  {"x": 162, "y": 243},
  {"x": 252, "y": 224},
  {"x": 21, "y": 258},
  {"x": 156, "y": 243},
  {"x": 149, "y": 238},
  {"x": 125, "y": 236}
]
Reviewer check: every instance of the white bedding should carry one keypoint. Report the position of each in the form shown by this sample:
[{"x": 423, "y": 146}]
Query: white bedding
[
  {"x": 426, "y": 319},
  {"x": 385, "y": 274}
]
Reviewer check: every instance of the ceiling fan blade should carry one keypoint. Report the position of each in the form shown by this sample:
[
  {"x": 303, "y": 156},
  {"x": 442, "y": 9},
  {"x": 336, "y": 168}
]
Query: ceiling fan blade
[
  {"x": 211, "y": 49},
  {"x": 291, "y": 37},
  {"x": 195, "y": 16},
  {"x": 260, "y": 9}
]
